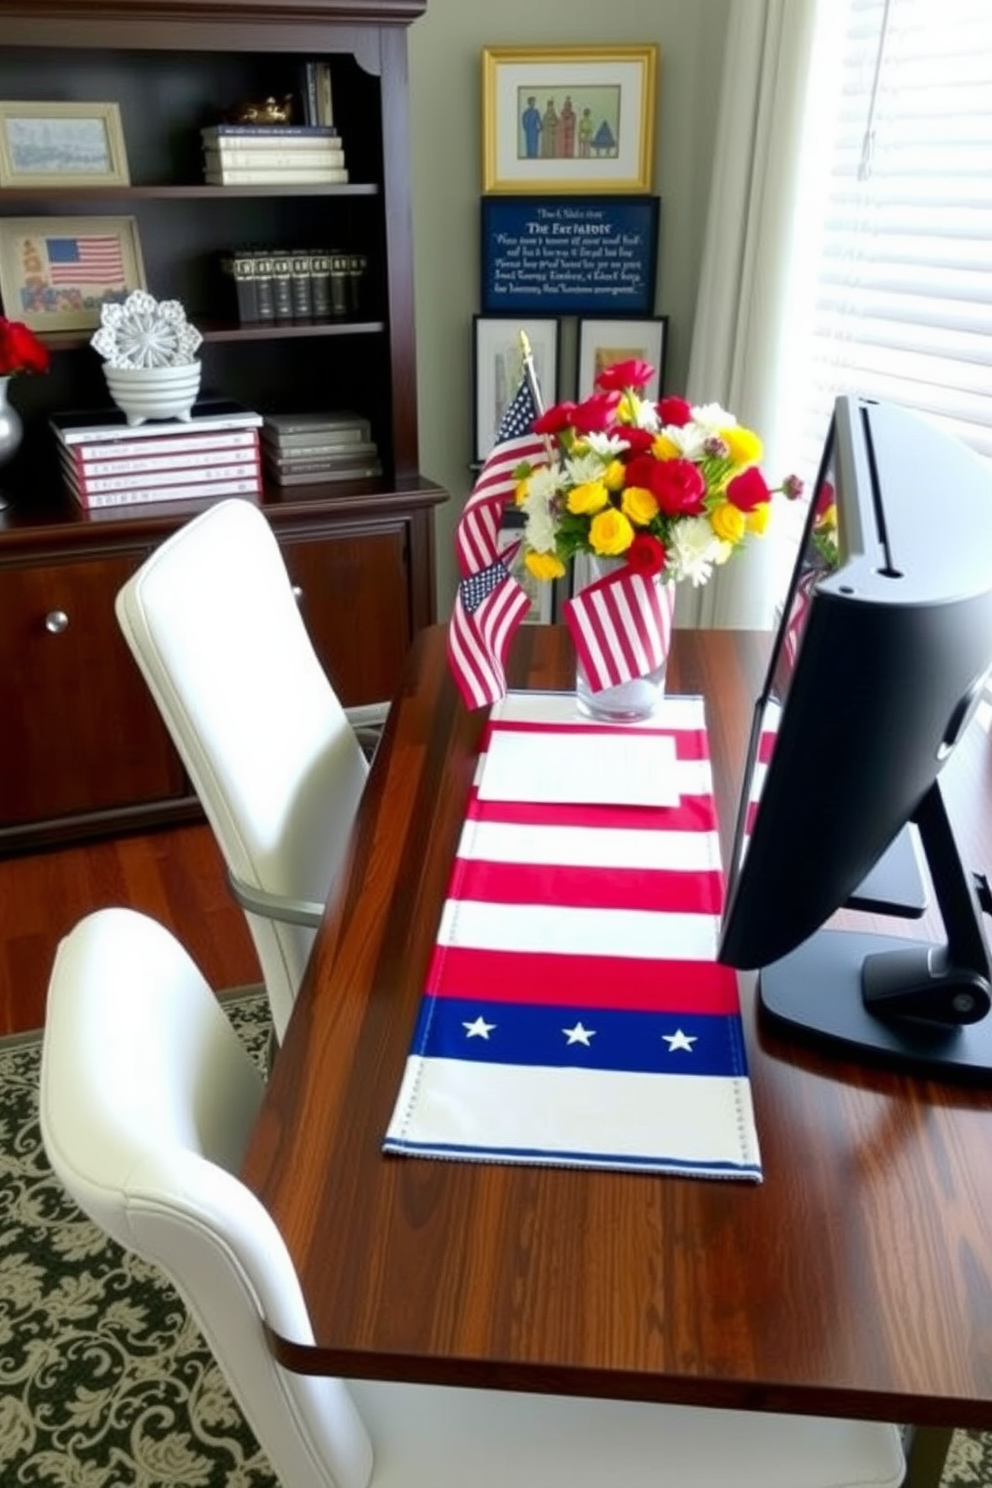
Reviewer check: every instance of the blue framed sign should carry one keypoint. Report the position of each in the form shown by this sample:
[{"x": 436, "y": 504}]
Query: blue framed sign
[{"x": 569, "y": 255}]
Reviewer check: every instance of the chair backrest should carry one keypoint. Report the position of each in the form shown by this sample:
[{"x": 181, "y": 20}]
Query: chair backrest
[
  {"x": 213, "y": 623},
  {"x": 147, "y": 1099}
]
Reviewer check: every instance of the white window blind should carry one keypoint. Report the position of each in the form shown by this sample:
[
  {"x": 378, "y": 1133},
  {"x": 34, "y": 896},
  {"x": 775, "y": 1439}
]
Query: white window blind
[{"x": 902, "y": 280}]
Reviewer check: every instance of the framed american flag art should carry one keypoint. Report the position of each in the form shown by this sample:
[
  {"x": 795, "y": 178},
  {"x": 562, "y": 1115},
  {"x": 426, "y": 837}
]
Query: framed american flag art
[{"x": 57, "y": 273}]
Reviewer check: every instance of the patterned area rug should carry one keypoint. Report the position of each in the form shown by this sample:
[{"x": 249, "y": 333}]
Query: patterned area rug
[{"x": 104, "y": 1380}]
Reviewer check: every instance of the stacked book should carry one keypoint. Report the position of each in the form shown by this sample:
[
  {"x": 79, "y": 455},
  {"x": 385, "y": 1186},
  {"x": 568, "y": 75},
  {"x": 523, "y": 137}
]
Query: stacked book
[
  {"x": 107, "y": 463},
  {"x": 304, "y": 449},
  {"x": 294, "y": 283},
  {"x": 273, "y": 155}
]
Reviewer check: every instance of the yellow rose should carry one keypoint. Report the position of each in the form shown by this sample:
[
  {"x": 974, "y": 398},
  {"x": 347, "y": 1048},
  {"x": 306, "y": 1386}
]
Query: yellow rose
[
  {"x": 664, "y": 448},
  {"x": 520, "y": 491},
  {"x": 758, "y": 516},
  {"x": 544, "y": 565},
  {"x": 613, "y": 475},
  {"x": 590, "y": 497},
  {"x": 728, "y": 522},
  {"x": 639, "y": 505},
  {"x": 744, "y": 446},
  {"x": 610, "y": 533}
]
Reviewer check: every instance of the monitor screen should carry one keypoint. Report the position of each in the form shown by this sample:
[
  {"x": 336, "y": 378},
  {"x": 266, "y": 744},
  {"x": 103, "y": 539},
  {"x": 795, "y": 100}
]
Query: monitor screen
[{"x": 881, "y": 655}]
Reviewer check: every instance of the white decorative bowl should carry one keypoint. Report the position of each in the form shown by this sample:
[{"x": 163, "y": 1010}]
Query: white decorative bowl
[{"x": 143, "y": 393}]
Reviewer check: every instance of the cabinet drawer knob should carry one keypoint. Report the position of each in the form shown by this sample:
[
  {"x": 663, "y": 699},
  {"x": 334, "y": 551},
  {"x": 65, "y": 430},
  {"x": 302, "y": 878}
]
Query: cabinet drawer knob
[
  {"x": 56, "y": 621},
  {"x": 298, "y": 593}
]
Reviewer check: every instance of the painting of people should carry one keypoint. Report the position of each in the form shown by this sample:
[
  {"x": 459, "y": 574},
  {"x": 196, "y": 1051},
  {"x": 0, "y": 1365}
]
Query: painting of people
[{"x": 582, "y": 123}]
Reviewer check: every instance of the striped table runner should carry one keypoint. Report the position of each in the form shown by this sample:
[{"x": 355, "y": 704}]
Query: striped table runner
[{"x": 574, "y": 1012}]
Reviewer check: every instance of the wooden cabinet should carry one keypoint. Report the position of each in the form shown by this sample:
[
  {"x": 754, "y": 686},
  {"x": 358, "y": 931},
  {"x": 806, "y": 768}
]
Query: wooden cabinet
[{"x": 83, "y": 751}]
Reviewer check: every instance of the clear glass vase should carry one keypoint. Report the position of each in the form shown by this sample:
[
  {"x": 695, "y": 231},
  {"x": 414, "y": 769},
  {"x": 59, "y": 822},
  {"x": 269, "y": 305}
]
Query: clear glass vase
[{"x": 630, "y": 701}]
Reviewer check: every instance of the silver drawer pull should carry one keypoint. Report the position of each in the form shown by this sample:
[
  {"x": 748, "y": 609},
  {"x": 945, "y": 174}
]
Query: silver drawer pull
[{"x": 56, "y": 621}]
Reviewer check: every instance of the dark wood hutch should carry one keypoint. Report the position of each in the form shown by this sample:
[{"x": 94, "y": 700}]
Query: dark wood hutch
[{"x": 81, "y": 747}]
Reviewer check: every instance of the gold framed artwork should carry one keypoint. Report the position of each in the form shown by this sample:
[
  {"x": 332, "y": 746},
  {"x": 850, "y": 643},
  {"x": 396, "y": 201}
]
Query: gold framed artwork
[
  {"x": 62, "y": 144},
  {"x": 569, "y": 119},
  {"x": 57, "y": 273},
  {"x": 604, "y": 342}
]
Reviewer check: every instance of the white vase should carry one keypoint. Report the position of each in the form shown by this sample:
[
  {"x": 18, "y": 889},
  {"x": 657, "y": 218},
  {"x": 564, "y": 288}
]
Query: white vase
[
  {"x": 11, "y": 429},
  {"x": 630, "y": 701}
]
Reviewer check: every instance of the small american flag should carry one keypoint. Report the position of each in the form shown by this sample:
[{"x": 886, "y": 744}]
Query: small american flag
[
  {"x": 89, "y": 259},
  {"x": 621, "y": 626},
  {"x": 475, "y": 539},
  {"x": 488, "y": 608}
]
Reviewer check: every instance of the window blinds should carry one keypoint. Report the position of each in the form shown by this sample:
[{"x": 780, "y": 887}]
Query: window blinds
[{"x": 903, "y": 287}]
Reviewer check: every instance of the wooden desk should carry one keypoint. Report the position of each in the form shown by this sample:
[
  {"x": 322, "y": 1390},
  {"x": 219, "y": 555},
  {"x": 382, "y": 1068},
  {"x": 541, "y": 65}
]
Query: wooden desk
[{"x": 856, "y": 1280}]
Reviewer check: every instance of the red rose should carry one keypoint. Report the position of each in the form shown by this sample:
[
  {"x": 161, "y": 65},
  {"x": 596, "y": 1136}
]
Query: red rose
[
  {"x": 555, "y": 418},
  {"x": 748, "y": 490},
  {"x": 679, "y": 487},
  {"x": 596, "y": 414},
  {"x": 20, "y": 349},
  {"x": 646, "y": 554},
  {"x": 632, "y": 374},
  {"x": 675, "y": 411},
  {"x": 639, "y": 441}
]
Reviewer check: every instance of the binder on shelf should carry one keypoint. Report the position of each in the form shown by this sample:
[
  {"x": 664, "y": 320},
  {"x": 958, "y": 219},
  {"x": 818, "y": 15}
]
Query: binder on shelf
[
  {"x": 325, "y": 96},
  {"x": 322, "y": 475},
  {"x": 320, "y": 284},
  {"x": 97, "y": 427},
  {"x": 265, "y": 136},
  {"x": 309, "y": 175},
  {"x": 224, "y": 161},
  {"x": 264, "y": 287},
  {"x": 286, "y": 429},
  {"x": 239, "y": 264},
  {"x": 300, "y": 284},
  {"x": 282, "y": 288},
  {"x": 180, "y": 475},
  {"x": 340, "y": 270},
  {"x": 249, "y": 486},
  {"x": 123, "y": 457},
  {"x": 357, "y": 264}
]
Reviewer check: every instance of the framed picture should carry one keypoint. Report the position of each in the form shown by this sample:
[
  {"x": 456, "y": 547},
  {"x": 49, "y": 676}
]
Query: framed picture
[
  {"x": 568, "y": 118},
  {"x": 56, "y": 273},
  {"x": 62, "y": 144},
  {"x": 575, "y": 255},
  {"x": 499, "y": 365},
  {"x": 603, "y": 342}
]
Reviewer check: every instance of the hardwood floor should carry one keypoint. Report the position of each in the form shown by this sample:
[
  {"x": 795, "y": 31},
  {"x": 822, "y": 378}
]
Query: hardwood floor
[{"x": 176, "y": 876}]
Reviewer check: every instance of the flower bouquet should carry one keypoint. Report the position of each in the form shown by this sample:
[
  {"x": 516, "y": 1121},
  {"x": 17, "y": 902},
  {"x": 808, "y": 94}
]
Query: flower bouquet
[{"x": 656, "y": 493}]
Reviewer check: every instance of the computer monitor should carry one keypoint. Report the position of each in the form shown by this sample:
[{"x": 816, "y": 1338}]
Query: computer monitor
[{"x": 881, "y": 656}]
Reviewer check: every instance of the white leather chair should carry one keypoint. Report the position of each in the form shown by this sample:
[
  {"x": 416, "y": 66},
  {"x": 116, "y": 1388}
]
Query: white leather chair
[
  {"x": 214, "y": 626},
  {"x": 147, "y": 1101}
]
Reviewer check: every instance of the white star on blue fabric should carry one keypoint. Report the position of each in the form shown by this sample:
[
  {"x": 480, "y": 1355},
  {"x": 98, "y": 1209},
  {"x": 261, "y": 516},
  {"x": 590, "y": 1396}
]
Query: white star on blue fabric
[
  {"x": 679, "y": 1040},
  {"x": 479, "y": 1029},
  {"x": 579, "y": 1035}
]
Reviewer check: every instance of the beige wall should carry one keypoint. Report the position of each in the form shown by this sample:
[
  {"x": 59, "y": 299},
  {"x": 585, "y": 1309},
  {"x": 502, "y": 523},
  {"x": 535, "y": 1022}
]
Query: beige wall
[{"x": 445, "y": 69}]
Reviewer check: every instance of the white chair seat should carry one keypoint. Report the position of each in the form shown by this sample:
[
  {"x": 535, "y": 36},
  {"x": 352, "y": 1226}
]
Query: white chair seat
[{"x": 147, "y": 1103}]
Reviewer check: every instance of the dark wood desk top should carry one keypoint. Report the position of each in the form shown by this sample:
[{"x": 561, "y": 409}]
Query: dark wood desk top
[{"x": 856, "y": 1280}]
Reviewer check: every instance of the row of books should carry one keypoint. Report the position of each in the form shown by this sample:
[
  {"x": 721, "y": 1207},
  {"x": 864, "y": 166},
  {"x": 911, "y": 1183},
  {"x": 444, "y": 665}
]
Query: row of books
[
  {"x": 273, "y": 155},
  {"x": 295, "y": 284},
  {"x": 106, "y": 463},
  {"x": 306, "y": 449},
  {"x": 316, "y": 93}
]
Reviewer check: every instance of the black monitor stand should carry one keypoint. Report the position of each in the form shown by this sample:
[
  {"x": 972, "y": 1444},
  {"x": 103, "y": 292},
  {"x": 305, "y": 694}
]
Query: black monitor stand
[{"x": 916, "y": 1004}]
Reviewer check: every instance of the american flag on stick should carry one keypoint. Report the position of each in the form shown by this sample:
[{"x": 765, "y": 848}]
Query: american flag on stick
[
  {"x": 489, "y": 606},
  {"x": 621, "y": 626},
  {"x": 475, "y": 539}
]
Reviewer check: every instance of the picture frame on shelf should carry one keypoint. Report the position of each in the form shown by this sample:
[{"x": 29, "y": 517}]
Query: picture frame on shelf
[
  {"x": 569, "y": 119},
  {"x": 62, "y": 144},
  {"x": 57, "y": 273},
  {"x": 601, "y": 343},
  {"x": 498, "y": 366}
]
